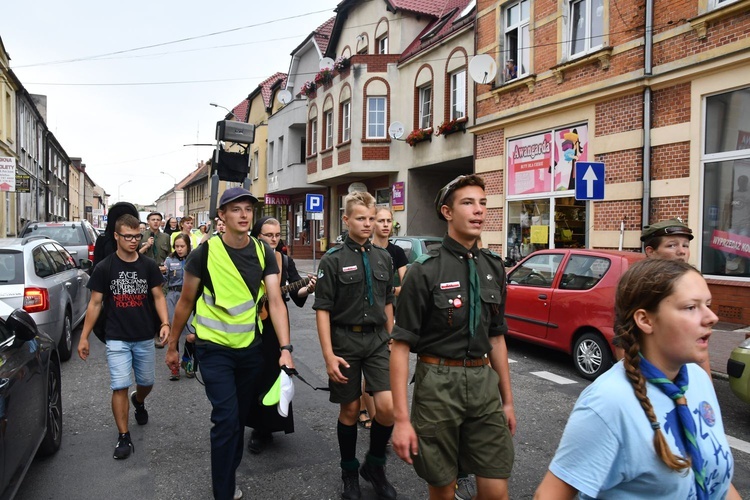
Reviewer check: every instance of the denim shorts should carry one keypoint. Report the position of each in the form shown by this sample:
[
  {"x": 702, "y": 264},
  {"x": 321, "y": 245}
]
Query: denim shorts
[{"x": 125, "y": 358}]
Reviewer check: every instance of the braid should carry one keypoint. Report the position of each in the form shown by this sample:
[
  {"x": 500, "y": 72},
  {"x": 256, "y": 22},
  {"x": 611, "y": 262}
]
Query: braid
[{"x": 631, "y": 362}]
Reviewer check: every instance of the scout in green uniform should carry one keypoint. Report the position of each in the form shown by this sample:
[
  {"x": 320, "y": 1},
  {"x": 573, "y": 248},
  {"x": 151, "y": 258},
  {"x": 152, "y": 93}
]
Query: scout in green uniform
[
  {"x": 452, "y": 315},
  {"x": 354, "y": 314}
]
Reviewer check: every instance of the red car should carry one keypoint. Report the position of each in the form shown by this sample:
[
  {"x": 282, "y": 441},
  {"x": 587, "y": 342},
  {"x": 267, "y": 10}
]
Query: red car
[{"x": 564, "y": 299}]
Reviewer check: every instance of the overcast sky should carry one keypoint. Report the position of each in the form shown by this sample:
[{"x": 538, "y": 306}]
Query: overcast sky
[{"x": 134, "y": 132}]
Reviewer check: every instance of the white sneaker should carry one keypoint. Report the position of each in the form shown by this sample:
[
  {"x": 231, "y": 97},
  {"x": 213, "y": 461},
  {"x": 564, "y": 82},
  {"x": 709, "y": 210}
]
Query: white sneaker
[{"x": 237, "y": 494}]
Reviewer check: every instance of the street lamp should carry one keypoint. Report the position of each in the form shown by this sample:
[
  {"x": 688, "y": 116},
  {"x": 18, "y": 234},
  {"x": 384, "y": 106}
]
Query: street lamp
[
  {"x": 118, "y": 189},
  {"x": 174, "y": 191},
  {"x": 222, "y": 107}
]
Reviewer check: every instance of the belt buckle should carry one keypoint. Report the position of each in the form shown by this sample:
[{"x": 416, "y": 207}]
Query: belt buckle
[
  {"x": 468, "y": 363},
  {"x": 357, "y": 328}
]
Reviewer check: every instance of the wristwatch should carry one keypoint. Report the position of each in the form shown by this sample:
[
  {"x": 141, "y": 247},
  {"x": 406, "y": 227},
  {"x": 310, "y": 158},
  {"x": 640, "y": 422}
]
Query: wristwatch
[{"x": 287, "y": 348}]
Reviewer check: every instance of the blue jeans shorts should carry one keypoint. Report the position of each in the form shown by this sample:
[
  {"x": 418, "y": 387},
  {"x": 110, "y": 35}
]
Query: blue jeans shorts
[{"x": 125, "y": 358}]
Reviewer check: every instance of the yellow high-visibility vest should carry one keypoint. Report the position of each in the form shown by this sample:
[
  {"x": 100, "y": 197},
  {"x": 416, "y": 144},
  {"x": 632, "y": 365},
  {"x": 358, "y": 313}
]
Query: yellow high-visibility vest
[{"x": 229, "y": 316}]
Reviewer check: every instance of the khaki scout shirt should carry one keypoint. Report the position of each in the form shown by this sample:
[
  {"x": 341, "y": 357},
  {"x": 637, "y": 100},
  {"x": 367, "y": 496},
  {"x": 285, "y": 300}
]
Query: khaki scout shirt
[
  {"x": 427, "y": 318},
  {"x": 161, "y": 249},
  {"x": 342, "y": 288}
]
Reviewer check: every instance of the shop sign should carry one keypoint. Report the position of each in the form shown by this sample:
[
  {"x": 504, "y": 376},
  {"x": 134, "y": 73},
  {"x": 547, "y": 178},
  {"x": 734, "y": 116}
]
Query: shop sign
[
  {"x": 277, "y": 199},
  {"x": 7, "y": 173},
  {"x": 730, "y": 243},
  {"x": 546, "y": 162},
  {"x": 397, "y": 196},
  {"x": 23, "y": 183}
]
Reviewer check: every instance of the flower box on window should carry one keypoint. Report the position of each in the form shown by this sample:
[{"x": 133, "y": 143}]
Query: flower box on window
[
  {"x": 341, "y": 64},
  {"x": 451, "y": 126},
  {"x": 419, "y": 135},
  {"x": 308, "y": 88},
  {"x": 324, "y": 77}
]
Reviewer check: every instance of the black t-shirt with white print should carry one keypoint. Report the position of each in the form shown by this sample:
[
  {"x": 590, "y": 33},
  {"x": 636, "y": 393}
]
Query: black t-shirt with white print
[{"x": 130, "y": 314}]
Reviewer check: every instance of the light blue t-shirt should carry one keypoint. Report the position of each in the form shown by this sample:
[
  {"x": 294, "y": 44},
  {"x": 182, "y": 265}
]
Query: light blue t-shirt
[{"x": 607, "y": 448}]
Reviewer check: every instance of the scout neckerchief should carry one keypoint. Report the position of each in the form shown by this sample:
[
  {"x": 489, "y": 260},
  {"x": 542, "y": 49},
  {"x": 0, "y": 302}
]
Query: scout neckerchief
[
  {"x": 676, "y": 391},
  {"x": 368, "y": 273},
  {"x": 475, "y": 301}
]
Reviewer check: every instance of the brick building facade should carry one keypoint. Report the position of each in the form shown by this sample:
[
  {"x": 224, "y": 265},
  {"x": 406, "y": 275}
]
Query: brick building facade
[{"x": 659, "y": 92}]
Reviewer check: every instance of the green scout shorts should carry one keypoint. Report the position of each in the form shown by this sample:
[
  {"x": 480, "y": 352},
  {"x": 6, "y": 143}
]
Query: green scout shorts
[
  {"x": 460, "y": 424},
  {"x": 368, "y": 355}
]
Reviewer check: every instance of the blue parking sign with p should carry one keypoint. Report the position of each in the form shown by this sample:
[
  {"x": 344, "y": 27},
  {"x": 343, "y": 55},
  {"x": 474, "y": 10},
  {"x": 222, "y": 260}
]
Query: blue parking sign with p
[{"x": 313, "y": 203}]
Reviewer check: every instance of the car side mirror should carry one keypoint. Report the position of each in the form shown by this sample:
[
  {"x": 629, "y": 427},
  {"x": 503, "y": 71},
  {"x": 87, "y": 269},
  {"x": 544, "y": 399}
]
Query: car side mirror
[
  {"x": 22, "y": 325},
  {"x": 85, "y": 264}
]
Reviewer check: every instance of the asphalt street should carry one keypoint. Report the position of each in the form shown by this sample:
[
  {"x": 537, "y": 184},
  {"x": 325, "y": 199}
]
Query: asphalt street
[{"x": 172, "y": 452}]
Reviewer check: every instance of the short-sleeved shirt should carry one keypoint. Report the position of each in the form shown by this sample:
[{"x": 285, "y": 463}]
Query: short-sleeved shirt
[
  {"x": 620, "y": 461},
  {"x": 427, "y": 317},
  {"x": 244, "y": 259},
  {"x": 341, "y": 287},
  {"x": 398, "y": 256},
  {"x": 175, "y": 271},
  {"x": 130, "y": 314}
]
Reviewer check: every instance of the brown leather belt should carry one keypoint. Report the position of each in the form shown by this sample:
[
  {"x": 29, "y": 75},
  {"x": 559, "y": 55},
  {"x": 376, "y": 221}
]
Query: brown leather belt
[
  {"x": 359, "y": 328},
  {"x": 467, "y": 363}
]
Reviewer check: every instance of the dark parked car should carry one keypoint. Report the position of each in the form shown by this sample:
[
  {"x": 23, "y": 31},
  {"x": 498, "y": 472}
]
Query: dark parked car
[
  {"x": 564, "y": 299},
  {"x": 30, "y": 397},
  {"x": 78, "y": 237}
]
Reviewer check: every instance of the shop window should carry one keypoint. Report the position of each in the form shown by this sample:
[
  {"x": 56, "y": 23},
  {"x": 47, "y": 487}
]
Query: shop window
[
  {"x": 516, "y": 52},
  {"x": 542, "y": 223},
  {"x": 585, "y": 30},
  {"x": 726, "y": 180}
]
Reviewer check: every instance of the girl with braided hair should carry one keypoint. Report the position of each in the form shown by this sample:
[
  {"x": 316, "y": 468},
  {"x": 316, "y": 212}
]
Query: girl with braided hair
[{"x": 651, "y": 426}]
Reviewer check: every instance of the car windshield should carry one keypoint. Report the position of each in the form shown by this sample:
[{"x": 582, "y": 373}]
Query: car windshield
[
  {"x": 66, "y": 235},
  {"x": 11, "y": 267}
]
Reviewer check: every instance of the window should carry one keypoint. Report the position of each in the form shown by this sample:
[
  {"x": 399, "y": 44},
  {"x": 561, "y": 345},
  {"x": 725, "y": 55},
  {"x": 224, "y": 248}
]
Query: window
[
  {"x": 725, "y": 249},
  {"x": 516, "y": 52},
  {"x": 256, "y": 165},
  {"x": 270, "y": 158},
  {"x": 382, "y": 44},
  {"x": 458, "y": 94},
  {"x": 376, "y": 118},
  {"x": 583, "y": 272},
  {"x": 717, "y": 4},
  {"x": 538, "y": 270},
  {"x": 313, "y": 136},
  {"x": 328, "y": 117},
  {"x": 280, "y": 155},
  {"x": 346, "y": 121},
  {"x": 586, "y": 26},
  {"x": 425, "y": 106}
]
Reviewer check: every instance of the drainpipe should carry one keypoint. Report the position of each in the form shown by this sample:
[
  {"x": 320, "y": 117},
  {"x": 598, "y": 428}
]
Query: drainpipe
[{"x": 647, "y": 71}]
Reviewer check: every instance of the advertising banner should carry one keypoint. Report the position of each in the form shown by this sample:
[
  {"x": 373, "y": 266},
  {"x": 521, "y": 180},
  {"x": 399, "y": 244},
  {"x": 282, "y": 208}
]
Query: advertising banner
[
  {"x": 23, "y": 183},
  {"x": 7, "y": 173},
  {"x": 529, "y": 164},
  {"x": 397, "y": 196},
  {"x": 731, "y": 243},
  {"x": 277, "y": 199}
]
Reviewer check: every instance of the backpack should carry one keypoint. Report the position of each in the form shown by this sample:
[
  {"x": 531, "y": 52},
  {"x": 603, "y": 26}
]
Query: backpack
[{"x": 100, "y": 327}]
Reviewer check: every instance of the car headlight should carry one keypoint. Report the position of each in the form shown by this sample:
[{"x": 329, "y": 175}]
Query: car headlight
[{"x": 745, "y": 344}]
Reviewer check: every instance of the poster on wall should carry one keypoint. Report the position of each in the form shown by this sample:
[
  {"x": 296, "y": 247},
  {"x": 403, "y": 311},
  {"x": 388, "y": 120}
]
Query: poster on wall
[
  {"x": 397, "y": 196},
  {"x": 529, "y": 164},
  {"x": 571, "y": 146},
  {"x": 7, "y": 173}
]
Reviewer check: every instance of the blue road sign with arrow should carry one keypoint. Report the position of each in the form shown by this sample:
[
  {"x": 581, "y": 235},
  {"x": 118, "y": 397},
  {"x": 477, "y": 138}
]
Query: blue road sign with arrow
[{"x": 589, "y": 180}]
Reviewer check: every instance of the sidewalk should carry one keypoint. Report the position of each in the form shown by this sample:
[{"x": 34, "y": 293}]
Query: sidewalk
[{"x": 726, "y": 336}]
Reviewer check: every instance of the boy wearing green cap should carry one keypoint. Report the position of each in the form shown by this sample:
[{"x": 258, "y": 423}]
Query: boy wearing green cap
[
  {"x": 668, "y": 239},
  {"x": 453, "y": 317}
]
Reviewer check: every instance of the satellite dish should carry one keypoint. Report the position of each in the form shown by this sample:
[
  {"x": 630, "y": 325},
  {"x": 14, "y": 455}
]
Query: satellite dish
[
  {"x": 357, "y": 187},
  {"x": 482, "y": 68},
  {"x": 396, "y": 130},
  {"x": 284, "y": 96},
  {"x": 325, "y": 63}
]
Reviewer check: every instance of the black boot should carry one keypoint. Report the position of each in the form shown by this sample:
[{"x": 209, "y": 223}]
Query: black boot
[
  {"x": 375, "y": 475},
  {"x": 351, "y": 485}
]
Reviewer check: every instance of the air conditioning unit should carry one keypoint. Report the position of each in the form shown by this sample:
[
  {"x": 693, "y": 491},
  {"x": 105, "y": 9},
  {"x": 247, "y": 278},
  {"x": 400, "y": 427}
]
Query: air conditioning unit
[{"x": 232, "y": 131}]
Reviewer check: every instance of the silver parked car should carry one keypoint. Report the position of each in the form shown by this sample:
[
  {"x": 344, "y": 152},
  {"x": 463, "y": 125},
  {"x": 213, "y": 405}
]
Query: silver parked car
[
  {"x": 78, "y": 237},
  {"x": 40, "y": 276}
]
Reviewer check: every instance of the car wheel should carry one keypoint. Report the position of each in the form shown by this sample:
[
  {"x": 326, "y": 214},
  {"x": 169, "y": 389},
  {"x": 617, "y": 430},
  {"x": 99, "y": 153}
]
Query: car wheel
[
  {"x": 65, "y": 347},
  {"x": 53, "y": 435},
  {"x": 591, "y": 355}
]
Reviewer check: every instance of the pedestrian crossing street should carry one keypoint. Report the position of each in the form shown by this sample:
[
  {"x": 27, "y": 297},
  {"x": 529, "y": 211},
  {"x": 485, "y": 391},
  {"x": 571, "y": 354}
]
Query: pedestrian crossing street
[{"x": 734, "y": 443}]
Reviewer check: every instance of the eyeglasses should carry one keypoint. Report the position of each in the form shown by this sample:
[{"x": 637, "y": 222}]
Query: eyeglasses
[
  {"x": 130, "y": 237},
  {"x": 271, "y": 236}
]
